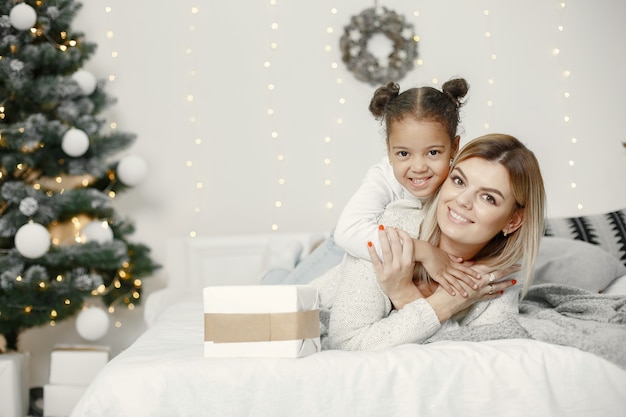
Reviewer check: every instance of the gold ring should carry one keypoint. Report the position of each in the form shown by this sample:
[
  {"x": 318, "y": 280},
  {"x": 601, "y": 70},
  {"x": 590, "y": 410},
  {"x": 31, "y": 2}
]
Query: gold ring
[{"x": 490, "y": 289}]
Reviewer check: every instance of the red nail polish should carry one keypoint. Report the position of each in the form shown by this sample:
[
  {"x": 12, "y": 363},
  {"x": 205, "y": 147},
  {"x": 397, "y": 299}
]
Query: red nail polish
[
  {"x": 501, "y": 292},
  {"x": 514, "y": 281},
  {"x": 369, "y": 244},
  {"x": 381, "y": 227}
]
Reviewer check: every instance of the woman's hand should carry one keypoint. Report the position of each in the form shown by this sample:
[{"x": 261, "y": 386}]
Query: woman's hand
[{"x": 395, "y": 270}]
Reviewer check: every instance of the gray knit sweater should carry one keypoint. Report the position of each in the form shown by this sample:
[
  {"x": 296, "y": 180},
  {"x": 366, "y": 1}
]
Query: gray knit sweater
[{"x": 356, "y": 314}]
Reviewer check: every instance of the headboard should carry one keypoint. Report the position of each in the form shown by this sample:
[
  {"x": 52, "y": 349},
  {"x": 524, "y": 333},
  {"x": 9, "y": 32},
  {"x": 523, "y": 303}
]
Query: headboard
[{"x": 194, "y": 263}]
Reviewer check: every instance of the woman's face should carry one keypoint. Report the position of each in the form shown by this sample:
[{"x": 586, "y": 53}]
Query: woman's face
[
  {"x": 420, "y": 152},
  {"x": 476, "y": 202}
]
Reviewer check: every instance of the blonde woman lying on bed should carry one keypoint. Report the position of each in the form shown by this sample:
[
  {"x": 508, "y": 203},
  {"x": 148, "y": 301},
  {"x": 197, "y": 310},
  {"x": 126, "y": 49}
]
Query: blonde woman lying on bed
[{"x": 490, "y": 210}]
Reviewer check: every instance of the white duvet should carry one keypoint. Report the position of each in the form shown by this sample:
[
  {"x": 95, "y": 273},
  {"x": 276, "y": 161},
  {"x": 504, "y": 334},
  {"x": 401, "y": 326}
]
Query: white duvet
[{"x": 164, "y": 373}]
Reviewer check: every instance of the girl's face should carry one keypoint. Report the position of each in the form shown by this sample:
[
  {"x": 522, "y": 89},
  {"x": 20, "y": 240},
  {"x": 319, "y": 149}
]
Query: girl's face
[
  {"x": 475, "y": 204},
  {"x": 420, "y": 152}
]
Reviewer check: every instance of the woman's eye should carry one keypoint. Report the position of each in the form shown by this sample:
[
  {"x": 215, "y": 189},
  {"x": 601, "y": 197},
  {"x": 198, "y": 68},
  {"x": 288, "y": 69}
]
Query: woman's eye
[
  {"x": 489, "y": 199},
  {"x": 456, "y": 180}
]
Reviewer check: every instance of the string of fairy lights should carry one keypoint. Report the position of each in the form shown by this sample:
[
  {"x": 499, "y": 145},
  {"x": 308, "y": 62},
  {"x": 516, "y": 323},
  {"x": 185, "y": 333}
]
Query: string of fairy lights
[
  {"x": 334, "y": 128},
  {"x": 564, "y": 73},
  {"x": 110, "y": 48},
  {"x": 272, "y": 88},
  {"x": 489, "y": 83},
  {"x": 190, "y": 102}
]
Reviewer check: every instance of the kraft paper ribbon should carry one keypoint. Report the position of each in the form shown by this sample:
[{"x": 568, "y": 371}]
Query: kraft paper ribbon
[{"x": 264, "y": 327}]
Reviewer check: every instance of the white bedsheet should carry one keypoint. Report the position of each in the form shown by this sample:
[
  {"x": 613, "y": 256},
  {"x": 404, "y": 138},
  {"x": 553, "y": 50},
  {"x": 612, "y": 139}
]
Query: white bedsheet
[{"x": 164, "y": 373}]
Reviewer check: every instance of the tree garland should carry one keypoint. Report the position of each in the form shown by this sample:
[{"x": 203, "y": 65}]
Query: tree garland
[{"x": 367, "y": 67}]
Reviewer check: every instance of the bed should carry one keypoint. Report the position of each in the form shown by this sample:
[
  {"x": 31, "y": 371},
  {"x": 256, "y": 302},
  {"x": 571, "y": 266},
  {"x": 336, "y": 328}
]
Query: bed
[{"x": 164, "y": 373}]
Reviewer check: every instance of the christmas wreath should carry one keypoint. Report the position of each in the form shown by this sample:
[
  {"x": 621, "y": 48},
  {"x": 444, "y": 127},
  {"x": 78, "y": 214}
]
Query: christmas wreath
[{"x": 366, "y": 66}]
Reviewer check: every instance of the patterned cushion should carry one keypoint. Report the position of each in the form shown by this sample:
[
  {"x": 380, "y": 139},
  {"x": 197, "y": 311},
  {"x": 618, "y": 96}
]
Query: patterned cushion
[{"x": 606, "y": 230}]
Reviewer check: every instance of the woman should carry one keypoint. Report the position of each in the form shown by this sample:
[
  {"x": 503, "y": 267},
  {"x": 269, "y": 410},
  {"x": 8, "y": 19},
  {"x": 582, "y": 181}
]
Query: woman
[{"x": 490, "y": 210}]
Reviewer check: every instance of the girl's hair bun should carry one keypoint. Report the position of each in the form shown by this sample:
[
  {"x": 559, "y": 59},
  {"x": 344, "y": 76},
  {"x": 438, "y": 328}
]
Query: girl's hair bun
[
  {"x": 381, "y": 97},
  {"x": 456, "y": 89}
]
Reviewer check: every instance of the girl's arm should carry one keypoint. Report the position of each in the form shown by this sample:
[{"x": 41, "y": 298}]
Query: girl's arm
[
  {"x": 395, "y": 276},
  {"x": 358, "y": 222}
]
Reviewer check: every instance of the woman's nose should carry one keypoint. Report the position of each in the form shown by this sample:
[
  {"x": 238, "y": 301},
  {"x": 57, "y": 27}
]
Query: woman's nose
[{"x": 464, "y": 199}]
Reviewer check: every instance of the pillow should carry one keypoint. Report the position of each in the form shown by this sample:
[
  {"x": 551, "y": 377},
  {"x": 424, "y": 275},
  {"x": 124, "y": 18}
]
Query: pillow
[
  {"x": 606, "y": 230},
  {"x": 577, "y": 263}
]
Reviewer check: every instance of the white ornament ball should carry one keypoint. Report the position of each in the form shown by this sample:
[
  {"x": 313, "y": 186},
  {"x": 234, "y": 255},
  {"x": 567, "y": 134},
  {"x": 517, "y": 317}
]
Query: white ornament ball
[
  {"x": 75, "y": 142},
  {"x": 86, "y": 81},
  {"x": 32, "y": 240},
  {"x": 131, "y": 170},
  {"x": 23, "y": 16},
  {"x": 97, "y": 231},
  {"x": 92, "y": 323}
]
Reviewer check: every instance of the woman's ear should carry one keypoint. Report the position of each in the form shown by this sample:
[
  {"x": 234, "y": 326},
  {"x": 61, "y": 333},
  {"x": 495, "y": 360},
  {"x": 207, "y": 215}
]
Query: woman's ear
[{"x": 516, "y": 221}]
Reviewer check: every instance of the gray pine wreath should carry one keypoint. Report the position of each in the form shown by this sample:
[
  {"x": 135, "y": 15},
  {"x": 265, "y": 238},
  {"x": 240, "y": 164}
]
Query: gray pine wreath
[{"x": 366, "y": 66}]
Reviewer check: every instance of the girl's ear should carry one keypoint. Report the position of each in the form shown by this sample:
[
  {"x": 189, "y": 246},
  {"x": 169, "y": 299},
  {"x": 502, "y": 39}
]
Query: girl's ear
[{"x": 515, "y": 222}]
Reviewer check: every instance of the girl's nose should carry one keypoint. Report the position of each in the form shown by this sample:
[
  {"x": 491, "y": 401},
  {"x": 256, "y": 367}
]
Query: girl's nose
[{"x": 418, "y": 165}]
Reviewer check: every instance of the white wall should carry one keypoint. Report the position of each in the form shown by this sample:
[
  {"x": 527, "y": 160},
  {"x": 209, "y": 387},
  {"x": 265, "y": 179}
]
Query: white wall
[{"x": 166, "y": 52}]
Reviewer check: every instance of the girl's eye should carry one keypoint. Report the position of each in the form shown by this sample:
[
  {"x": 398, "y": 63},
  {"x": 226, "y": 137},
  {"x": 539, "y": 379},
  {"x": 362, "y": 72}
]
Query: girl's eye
[
  {"x": 433, "y": 152},
  {"x": 403, "y": 154}
]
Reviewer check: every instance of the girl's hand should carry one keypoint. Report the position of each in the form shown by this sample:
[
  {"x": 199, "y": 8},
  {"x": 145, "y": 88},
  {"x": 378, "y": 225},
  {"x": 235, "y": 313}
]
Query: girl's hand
[
  {"x": 395, "y": 271},
  {"x": 494, "y": 276},
  {"x": 445, "y": 305},
  {"x": 447, "y": 270}
]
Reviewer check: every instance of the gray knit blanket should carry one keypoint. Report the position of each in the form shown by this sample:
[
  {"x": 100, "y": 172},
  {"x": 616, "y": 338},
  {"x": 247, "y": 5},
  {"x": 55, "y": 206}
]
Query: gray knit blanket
[{"x": 561, "y": 315}]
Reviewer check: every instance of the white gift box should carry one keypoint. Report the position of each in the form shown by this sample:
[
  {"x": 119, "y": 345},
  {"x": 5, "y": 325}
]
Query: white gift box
[
  {"x": 261, "y": 321},
  {"x": 14, "y": 384},
  {"x": 60, "y": 400},
  {"x": 76, "y": 364}
]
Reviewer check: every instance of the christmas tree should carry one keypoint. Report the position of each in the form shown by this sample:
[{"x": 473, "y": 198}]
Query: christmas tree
[{"x": 61, "y": 241}]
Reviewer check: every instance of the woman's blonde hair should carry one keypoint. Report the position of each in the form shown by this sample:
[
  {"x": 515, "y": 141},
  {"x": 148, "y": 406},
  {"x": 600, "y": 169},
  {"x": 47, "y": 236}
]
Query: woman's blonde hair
[{"x": 528, "y": 190}]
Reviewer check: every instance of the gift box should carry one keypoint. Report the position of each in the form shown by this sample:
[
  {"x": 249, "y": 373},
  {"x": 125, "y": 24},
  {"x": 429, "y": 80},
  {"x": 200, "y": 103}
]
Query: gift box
[
  {"x": 14, "y": 384},
  {"x": 261, "y": 321},
  {"x": 76, "y": 364},
  {"x": 60, "y": 400}
]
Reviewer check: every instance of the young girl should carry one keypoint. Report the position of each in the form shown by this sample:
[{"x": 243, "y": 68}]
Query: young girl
[{"x": 421, "y": 139}]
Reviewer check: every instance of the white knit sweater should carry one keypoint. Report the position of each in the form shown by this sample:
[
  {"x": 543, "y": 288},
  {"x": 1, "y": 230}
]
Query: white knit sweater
[{"x": 356, "y": 314}]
